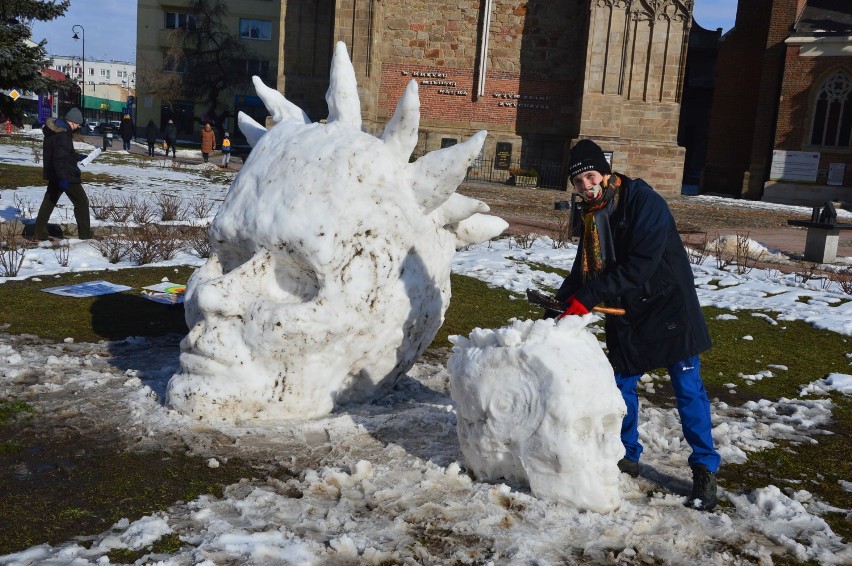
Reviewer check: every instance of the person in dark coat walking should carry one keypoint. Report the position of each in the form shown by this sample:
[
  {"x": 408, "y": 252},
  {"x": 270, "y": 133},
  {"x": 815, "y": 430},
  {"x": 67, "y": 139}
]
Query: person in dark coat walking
[
  {"x": 151, "y": 136},
  {"x": 171, "y": 138},
  {"x": 630, "y": 255},
  {"x": 127, "y": 131},
  {"x": 60, "y": 169}
]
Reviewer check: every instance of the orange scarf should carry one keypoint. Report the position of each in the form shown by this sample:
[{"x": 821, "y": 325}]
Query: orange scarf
[{"x": 596, "y": 230}]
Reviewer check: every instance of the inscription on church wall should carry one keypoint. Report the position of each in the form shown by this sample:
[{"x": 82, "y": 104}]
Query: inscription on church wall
[
  {"x": 504, "y": 99},
  {"x": 544, "y": 104}
]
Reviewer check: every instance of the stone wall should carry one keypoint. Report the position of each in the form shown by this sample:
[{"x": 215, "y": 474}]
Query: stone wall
[
  {"x": 635, "y": 61},
  {"x": 553, "y": 71}
]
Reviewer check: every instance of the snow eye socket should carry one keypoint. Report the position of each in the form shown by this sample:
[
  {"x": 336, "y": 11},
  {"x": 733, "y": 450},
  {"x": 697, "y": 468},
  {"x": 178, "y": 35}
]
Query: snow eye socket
[
  {"x": 582, "y": 428},
  {"x": 231, "y": 256}
]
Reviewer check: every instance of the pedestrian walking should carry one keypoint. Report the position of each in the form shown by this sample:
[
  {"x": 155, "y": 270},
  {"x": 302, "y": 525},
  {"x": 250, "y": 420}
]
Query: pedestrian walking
[
  {"x": 127, "y": 131},
  {"x": 171, "y": 138},
  {"x": 62, "y": 173},
  {"x": 226, "y": 151},
  {"x": 151, "y": 136},
  {"x": 208, "y": 141},
  {"x": 630, "y": 255}
]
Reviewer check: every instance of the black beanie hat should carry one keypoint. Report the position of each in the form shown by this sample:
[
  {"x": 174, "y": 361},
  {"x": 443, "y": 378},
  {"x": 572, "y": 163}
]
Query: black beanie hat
[{"x": 586, "y": 155}]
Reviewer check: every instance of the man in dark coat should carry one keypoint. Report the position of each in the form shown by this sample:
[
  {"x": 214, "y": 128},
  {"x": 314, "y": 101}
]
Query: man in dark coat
[
  {"x": 630, "y": 255},
  {"x": 127, "y": 131},
  {"x": 171, "y": 138},
  {"x": 62, "y": 174},
  {"x": 151, "y": 133}
]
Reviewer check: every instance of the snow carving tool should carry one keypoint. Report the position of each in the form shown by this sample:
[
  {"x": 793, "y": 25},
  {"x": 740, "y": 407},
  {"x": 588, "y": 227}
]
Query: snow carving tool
[{"x": 554, "y": 308}]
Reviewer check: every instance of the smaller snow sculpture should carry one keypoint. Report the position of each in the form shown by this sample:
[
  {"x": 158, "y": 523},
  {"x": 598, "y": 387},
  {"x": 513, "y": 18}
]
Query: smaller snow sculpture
[{"x": 537, "y": 403}]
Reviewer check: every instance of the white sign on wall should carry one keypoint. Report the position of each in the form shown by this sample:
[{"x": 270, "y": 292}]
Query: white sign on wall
[
  {"x": 836, "y": 171},
  {"x": 798, "y": 166}
]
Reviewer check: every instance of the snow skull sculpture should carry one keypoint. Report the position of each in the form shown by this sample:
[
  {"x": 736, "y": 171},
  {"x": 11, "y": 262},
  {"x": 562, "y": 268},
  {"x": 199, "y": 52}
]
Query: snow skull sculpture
[
  {"x": 330, "y": 264},
  {"x": 537, "y": 404}
]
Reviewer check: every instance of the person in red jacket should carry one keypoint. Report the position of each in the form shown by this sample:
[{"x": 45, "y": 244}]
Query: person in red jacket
[
  {"x": 62, "y": 174},
  {"x": 208, "y": 141}
]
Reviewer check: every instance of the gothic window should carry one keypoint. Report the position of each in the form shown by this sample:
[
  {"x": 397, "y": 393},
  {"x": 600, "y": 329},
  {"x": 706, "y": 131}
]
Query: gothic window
[{"x": 832, "y": 113}]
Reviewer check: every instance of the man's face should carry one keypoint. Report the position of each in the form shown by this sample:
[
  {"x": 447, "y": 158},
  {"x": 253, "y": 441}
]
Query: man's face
[
  {"x": 589, "y": 185},
  {"x": 73, "y": 125}
]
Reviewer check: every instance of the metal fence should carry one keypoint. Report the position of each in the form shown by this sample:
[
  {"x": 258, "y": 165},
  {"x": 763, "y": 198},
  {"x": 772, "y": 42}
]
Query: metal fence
[{"x": 551, "y": 175}]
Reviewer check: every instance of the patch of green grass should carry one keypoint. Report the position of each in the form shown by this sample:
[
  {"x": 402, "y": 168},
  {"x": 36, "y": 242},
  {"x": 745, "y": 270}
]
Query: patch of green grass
[
  {"x": 548, "y": 269},
  {"x": 17, "y": 176},
  {"x": 56, "y": 489},
  {"x": 28, "y": 310},
  {"x": 11, "y": 409},
  {"x": 167, "y": 544},
  {"x": 817, "y": 468},
  {"x": 809, "y": 354},
  {"x": 475, "y": 304},
  {"x": 10, "y": 447}
]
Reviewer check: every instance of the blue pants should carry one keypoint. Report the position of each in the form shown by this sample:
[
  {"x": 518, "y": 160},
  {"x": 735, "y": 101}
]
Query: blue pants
[{"x": 692, "y": 405}]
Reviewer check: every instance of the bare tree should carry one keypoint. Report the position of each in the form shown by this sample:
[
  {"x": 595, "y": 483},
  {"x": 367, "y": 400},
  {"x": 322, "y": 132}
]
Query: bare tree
[{"x": 204, "y": 61}]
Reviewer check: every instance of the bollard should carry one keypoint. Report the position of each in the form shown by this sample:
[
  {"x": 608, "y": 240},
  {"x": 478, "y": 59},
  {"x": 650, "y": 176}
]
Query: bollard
[{"x": 105, "y": 132}]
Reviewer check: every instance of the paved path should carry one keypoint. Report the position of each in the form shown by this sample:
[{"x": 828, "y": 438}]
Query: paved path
[{"x": 140, "y": 147}]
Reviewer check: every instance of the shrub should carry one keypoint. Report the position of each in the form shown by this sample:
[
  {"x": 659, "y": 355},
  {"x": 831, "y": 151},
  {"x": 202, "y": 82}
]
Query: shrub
[{"x": 521, "y": 172}]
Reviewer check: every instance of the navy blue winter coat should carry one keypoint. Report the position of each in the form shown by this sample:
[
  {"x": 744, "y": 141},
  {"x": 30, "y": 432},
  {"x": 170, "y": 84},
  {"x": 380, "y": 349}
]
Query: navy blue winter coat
[
  {"x": 651, "y": 279},
  {"x": 59, "y": 160}
]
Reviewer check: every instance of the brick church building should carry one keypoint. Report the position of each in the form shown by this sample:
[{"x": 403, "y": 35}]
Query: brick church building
[
  {"x": 538, "y": 75},
  {"x": 781, "y": 124}
]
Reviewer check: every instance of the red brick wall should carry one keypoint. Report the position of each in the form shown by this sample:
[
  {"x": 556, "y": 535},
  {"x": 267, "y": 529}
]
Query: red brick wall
[
  {"x": 803, "y": 77},
  {"x": 749, "y": 72},
  {"x": 447, "y": 97},
  {"x": 782, "y": 19}
]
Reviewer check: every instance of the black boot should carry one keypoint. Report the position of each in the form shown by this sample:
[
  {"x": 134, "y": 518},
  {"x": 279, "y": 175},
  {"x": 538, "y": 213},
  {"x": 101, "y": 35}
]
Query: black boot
[
  {"x": 628, "y": 467},
  {"x": 703, "y": 496}
]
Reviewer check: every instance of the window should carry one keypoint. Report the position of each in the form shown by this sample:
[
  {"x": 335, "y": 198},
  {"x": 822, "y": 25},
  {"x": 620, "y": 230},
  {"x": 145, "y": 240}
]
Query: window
[
  {"x": 105, "y": 73},
  {"x": 172, "y": 64},
  {"x": 832, "y": 117},
  {"x": 255, "y": 29},
  {"x": 175, "y": 20},
  {"x": 90, "y": 71},
  {"x": 257, "y": 67}
]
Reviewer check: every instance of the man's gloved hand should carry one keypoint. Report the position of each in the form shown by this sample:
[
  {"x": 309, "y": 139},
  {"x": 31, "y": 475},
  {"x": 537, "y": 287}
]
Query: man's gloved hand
[
  {"x": 573, "y": 307},
  {"x": 63, "y": 184}
]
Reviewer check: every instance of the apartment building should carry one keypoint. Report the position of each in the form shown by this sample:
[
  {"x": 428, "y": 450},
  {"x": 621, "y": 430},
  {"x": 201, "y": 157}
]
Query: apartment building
[
  {"x": 108, "y": 90},
  {"x": 255, "y": 22}
]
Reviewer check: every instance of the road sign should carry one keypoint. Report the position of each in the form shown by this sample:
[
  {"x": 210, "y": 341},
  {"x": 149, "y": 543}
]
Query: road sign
[{"x": 15, "y": 95}]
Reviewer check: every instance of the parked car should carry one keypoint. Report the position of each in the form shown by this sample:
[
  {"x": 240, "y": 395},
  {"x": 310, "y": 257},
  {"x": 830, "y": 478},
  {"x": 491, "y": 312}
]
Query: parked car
[
  {"x": 114, "y": 124},
  {"x": 91, "y": 127}
]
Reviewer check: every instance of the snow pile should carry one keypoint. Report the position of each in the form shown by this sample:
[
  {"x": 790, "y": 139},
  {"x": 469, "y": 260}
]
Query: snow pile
[{"x": 537, "y": 404}]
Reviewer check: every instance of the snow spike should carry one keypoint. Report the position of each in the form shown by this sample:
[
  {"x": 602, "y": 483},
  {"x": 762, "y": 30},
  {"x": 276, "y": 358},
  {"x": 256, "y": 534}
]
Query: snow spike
[
  {"x": 344, "y": 105},
  {"x": 400, "y": 134}
]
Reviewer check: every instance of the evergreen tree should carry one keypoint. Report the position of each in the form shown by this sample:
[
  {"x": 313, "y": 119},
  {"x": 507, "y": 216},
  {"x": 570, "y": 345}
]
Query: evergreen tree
[{"x": 21, "y": 60}]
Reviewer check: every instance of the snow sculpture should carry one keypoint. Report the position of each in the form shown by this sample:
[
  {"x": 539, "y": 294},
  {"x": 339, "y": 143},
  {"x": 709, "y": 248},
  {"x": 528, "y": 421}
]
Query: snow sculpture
[
  {"x": 330, "y": 266},
  {"x": 537, "y": 404}
]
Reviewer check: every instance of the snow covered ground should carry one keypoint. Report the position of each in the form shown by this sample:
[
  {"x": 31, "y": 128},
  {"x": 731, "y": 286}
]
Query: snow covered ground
[{"x": 383, "y": 483}]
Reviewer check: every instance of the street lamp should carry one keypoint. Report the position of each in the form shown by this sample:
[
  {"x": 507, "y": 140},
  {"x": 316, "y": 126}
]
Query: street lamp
[{"x": 83, "y": 96}]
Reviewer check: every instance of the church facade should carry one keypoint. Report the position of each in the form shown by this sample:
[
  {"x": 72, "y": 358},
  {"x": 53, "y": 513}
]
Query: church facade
[{"x": 538, "y": 74}]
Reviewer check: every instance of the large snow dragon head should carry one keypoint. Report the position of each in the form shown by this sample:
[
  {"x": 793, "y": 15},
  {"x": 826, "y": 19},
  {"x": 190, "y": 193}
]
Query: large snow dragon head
[{"x": 330, "y": 266}]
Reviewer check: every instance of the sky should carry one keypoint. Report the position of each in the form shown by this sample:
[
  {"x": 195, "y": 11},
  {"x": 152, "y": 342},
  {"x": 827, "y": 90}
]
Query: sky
[
  {"x": 110, "y": 30},
  {"x": 111, "y": 27},
  {"x": 368, "y": 489},
  {"x": 712, "y": 14}
]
